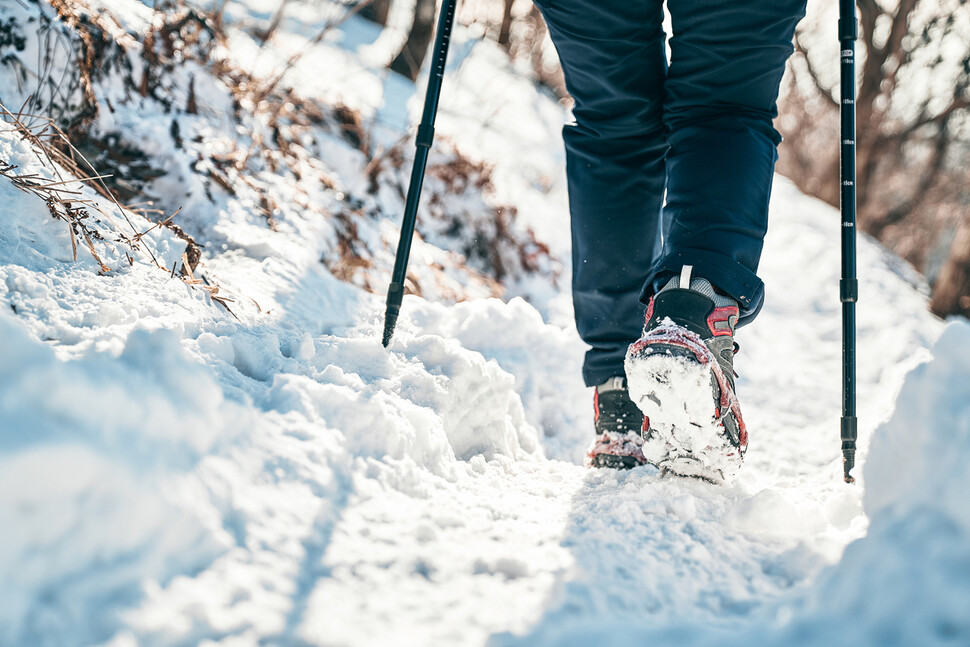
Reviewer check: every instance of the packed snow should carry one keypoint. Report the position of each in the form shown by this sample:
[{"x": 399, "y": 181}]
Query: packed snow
[{"x": 176, "y": 470}]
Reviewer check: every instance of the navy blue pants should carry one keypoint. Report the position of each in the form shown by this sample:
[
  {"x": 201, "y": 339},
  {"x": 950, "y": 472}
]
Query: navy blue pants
[{"x": 699, "y": 127}]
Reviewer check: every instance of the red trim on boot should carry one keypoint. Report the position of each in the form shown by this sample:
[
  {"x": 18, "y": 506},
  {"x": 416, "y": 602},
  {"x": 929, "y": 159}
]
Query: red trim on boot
[
  {"x": 649, "y": 311},
  {"x": 723, "y": 315}
]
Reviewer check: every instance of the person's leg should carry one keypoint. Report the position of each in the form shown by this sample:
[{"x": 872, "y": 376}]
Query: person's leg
[
  {"x": 727, "y": 60},
  {"x": 612, "y": 54}
]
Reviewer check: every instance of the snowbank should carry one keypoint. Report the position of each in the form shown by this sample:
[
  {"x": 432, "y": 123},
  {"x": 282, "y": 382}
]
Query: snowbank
[
  {"x": 544, "y": 359},
  {"x": 90, "y": 454},
  {"x": 908, "y": 581}
]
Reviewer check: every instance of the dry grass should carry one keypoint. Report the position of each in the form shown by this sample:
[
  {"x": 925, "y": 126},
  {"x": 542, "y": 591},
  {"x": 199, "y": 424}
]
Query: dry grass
[
  {"x": 278, "y": 122},
  {"x": 54, "y": 150}
]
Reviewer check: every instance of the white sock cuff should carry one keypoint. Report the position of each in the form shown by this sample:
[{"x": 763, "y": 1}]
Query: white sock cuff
[{"x": 700, "y": 285}]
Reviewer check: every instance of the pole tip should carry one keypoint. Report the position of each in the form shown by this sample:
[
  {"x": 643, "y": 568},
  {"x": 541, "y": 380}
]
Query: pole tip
[
  {"x": 849, "y": 435},
  {"x": 848, "y": 462},
  {"x": 390, "y": 321}
]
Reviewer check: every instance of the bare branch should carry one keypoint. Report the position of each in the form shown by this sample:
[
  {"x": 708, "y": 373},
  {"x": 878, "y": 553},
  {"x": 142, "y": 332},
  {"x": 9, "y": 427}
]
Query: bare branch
[
  {"x": 869, "y": 12},
  {"x": 926, "y": 182},
  {"x": 951, "y": 294},
  {"x": 293, "y": 60},
  {"x": 875, "y": 56},
  {"x": 274, "y": 23},
  {"x": 957, "y": 104},
  {"x": 900, "y": 26}
]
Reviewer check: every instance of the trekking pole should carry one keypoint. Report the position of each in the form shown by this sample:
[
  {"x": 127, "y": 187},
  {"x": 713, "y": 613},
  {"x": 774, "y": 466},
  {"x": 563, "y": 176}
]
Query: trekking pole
[
  {"x": 395, "y": 291},
  {"x": 849, "y": 285}
]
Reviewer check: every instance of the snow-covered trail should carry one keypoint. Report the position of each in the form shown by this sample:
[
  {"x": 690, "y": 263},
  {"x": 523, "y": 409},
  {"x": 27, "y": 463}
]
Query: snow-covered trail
[
  {"x": 171, "y": 474},
  {"x": 561, "y": 546},
  {"x": 352, "y": 495}
]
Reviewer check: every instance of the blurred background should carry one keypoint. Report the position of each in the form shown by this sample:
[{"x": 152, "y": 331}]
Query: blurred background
[
  {"x": 912, "y": 105},
  {"x": 913, "y": 96}
]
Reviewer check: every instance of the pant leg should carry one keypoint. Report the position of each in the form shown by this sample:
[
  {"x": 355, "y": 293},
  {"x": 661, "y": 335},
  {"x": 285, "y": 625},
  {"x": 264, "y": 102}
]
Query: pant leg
[
  {"x": 727, "y": 60},
  {"x": 612, "y": 54}
]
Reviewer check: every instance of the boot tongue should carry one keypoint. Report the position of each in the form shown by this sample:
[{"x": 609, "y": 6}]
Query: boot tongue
[{"x": 686, "y": 308}]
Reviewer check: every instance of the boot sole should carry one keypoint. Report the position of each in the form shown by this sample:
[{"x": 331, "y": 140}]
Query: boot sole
[
  {"x": 611, "y": 461},
  {"x": 676, "y": 392},
  {"x": 617, "y": 452}
]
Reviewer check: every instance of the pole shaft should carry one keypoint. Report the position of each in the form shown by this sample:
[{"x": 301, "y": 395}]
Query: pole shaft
[
  {"x": 423, "y": 140},
  {"x": 849, "y": 286}
]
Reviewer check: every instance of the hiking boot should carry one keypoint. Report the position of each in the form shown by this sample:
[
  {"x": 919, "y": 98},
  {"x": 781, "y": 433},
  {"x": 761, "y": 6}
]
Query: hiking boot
[
  {"x": 619, "y": 427},
  {"x": 681, "y": 376}
]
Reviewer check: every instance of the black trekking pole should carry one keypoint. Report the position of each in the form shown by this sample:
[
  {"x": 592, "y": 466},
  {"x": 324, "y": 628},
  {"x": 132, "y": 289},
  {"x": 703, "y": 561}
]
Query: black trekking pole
[
  {"x": 395, "y": 291},
  {"x": 849, "y": 285}
]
